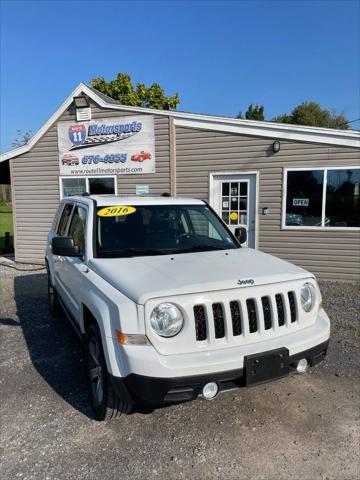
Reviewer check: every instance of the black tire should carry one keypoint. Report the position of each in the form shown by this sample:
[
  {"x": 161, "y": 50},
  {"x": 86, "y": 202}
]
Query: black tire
[
  {"x": 53, "y": 298},
  {"x": 105, "y": 402}
]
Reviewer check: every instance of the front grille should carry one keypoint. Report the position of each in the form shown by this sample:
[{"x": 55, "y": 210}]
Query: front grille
[
  {"x": 219, "y": 325},
  {"x": 200, "y": 322},
  {"x": 267, "y": 312},
  {"x": 292, "y": 306},
  {"x": 244, "y": 317},
  {"x": 251, "y": 309},
  {"x": 280, "y": 309},
  {"x": 235, "y": 318}
]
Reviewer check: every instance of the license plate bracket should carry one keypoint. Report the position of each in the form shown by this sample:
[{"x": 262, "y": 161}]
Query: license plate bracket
[{"x": 266, "y": 366}]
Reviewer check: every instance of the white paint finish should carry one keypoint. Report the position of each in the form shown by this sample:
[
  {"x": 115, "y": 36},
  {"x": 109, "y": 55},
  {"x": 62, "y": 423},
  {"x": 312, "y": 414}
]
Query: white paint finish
[
  {"x": 186, "y": 273},
  {"x": 114, "y": 290},
  {"x": 215, "y": 178},
  {"x": 146, "y": 361},
  {"x": 107, "y": 200},
  {"x": 250, "y": 181}
]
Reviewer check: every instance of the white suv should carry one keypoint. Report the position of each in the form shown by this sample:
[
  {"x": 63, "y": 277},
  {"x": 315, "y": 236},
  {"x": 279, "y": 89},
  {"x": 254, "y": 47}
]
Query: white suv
[{"x": 171, "y": 307}]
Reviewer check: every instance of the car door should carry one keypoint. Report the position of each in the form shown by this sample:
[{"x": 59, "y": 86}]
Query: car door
[{"x": 74, "y": 269}]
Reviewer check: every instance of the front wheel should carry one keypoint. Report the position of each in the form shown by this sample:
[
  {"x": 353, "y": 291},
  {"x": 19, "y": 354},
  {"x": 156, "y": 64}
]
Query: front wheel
[{"x": 105, "y": 402}]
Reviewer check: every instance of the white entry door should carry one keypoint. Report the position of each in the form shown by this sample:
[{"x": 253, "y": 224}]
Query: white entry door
[{"x": 234, "y": 200}]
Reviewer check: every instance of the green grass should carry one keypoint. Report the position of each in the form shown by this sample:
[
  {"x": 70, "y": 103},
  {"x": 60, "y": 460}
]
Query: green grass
[{"x": 6, "y": 225}]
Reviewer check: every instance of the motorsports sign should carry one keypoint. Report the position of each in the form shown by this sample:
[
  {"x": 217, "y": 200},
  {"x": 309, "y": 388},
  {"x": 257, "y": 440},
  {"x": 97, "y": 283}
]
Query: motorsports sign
[{"x": 118, "y": 145}]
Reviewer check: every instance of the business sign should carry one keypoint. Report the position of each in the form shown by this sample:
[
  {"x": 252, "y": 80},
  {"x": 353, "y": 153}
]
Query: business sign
[
  {"x": 300, "y": 202},
  {"x": 142, "y": 189},
  {"x": 116, "y": 146}
]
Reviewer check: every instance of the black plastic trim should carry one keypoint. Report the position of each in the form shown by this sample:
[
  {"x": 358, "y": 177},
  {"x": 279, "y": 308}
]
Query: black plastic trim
[{"x": 156, "y": 391}]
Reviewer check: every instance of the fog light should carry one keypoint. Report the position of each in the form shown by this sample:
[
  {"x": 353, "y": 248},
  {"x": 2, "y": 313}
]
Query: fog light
[
  {"x": 302, "y": 365},
  {"x": 210, "y": 390}
]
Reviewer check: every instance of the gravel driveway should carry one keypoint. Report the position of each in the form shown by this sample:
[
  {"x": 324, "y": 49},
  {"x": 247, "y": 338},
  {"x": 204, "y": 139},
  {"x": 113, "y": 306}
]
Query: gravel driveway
[{"x": 302, "y": 427}]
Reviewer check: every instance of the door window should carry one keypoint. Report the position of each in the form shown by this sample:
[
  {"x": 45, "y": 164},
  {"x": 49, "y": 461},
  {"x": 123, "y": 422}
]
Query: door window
[
  {"x": 77, "y": 228},
  {"x": 234, "y": 203},
  {"x": 64, "y": 219}
]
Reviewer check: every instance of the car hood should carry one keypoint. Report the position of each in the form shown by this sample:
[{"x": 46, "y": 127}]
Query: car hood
[{"x": 142, "y": 278}]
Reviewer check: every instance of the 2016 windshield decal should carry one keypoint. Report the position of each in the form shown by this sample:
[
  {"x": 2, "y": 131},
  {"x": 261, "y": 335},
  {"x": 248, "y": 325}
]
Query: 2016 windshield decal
[{"x": 249, "y": 281}]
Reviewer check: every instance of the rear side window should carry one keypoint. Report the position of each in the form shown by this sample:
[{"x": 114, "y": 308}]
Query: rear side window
[
  {"x": 64, "y": 219},
  {"x": 77, "y": 228}
]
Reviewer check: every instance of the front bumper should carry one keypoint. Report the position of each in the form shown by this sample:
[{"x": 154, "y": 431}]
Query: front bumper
[{"x": 154, "y": 390}]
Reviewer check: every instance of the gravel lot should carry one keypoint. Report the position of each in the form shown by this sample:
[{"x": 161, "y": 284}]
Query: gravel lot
[{"x": 303, "y": 427}]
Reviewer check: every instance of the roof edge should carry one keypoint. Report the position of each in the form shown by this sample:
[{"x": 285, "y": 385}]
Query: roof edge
[{"x": 350, "y": 138}]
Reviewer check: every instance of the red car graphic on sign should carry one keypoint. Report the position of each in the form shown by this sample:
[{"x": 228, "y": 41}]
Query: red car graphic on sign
[
  {"x": 70, "y": 159},
  {"x": 141, "y": 156}
]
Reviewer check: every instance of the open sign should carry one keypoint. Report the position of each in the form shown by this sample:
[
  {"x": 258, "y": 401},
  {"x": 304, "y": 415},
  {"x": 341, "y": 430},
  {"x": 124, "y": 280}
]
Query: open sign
[{"x": 300, "y": 202}]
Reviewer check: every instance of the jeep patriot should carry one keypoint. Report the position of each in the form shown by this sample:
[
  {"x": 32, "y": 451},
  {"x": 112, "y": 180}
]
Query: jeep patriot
[{"x": 170, "y": 305}]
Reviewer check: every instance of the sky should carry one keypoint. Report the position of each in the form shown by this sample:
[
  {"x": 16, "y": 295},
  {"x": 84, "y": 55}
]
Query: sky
[{"x": 220, "y": 56}]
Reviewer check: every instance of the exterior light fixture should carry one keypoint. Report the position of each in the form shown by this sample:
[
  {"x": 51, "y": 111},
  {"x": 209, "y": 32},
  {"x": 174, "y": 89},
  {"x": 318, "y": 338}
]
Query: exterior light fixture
[
  {"x": 81, "y": 102},
  {"x": 83, "y": 110},
  {"x": 276, "y": 146},
  {"x": 265, "y": 210}
]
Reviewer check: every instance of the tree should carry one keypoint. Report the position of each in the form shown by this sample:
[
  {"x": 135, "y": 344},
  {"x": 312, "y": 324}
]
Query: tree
[
  {"x": 311, "y": 113},
  {"x": 122, "y": 90},
  {"x": 253, "y": 113},
  {"x": 21, "y": 138}
]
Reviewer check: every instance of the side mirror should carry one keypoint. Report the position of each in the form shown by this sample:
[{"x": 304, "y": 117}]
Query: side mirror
[
  {"x": 65, "y": 247},
  {"x": 241, "y": 234}
]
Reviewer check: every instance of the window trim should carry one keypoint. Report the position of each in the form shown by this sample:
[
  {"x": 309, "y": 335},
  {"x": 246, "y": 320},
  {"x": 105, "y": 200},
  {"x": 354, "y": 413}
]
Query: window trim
[
  {"x": 314, "y": 228},
  {"x": 86, "y": 182}
]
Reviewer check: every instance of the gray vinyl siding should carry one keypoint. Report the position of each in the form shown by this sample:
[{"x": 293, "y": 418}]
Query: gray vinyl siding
[
  {"x": 35, "y": 183},
  {"x": 328, "y": 254}
]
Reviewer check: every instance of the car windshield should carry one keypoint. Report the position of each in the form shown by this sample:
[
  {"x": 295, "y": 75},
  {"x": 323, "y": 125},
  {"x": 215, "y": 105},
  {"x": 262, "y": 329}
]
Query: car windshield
[{"x": 160, "y": 230}]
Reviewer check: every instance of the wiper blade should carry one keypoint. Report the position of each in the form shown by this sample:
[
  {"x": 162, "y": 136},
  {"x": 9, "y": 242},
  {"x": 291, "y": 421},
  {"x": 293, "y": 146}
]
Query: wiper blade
[
  {"x": 129, "y": 252},
  {"x": 201, "y": 248}
]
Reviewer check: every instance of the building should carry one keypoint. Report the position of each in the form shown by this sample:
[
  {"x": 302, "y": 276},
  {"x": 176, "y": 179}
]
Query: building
[{"x": 295, "y": 188}]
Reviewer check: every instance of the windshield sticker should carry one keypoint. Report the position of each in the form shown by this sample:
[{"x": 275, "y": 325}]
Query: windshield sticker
[{"x": 116, "y": 211}]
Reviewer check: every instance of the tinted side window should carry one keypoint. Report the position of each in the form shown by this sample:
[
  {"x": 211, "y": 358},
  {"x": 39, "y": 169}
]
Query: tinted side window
[
  {"x": 64, "y": 219},
  {"x": 56, "y": 217},
  {"x": 77, "y": 228}
]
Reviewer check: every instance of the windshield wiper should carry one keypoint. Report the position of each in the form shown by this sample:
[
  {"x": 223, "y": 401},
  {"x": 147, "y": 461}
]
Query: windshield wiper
[
  {"x": 200, "y": 248},
  {"x": 132, "y": 252}
]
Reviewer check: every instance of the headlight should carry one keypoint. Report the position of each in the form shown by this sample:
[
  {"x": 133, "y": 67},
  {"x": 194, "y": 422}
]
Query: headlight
[
  {"x": 307, "y": 295},
  {"x": 166, "y": 320}
]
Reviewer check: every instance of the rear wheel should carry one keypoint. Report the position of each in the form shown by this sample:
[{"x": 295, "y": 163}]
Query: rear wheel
[{"x": 105, "y": 402}]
